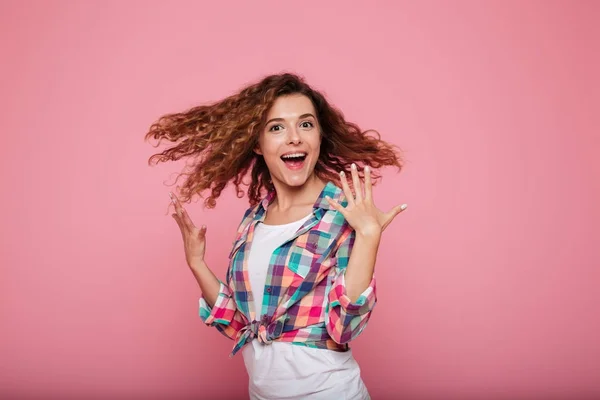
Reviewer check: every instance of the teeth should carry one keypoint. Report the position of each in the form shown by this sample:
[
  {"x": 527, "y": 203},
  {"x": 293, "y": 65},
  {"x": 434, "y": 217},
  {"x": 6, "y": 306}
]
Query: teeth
[{"x": 294, "y": 155}]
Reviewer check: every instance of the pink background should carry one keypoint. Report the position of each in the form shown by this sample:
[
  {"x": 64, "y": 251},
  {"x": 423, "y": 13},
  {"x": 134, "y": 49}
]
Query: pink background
[{"x": 488, "y": 284}]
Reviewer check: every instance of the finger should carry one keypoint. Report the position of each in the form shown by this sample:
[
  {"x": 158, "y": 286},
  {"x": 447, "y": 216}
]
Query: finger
[
  {"x": 176, "y": 204},
  {"x": 179, "y": 223},
  {"x": 356, "y": 183},
  {"x": 337, "y": 206},
  {"x": 346, "y": 188},
  {"x": 395, "y": 211},
  {"x": 187, "y": 220},
  {"x": 175, "y": 200},
  {"x": 182, "y": 213},
  {"x": 389, "y": 217},
  {"x": 202, "y": 232},
  {"x": 368, "y": 185},
  {"x": 179, "y": 211}
]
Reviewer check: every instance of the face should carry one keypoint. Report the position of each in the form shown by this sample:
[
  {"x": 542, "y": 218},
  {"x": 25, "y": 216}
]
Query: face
[{"x": 291, "y": 140}]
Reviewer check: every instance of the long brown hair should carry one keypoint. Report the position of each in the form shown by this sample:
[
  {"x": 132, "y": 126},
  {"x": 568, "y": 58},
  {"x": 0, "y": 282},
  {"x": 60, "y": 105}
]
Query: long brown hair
[{"x": 220, "y": 137}]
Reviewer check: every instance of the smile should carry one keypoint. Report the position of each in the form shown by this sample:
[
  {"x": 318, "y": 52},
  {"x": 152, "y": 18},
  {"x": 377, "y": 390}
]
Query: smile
[{"x": 294, "y": 160}]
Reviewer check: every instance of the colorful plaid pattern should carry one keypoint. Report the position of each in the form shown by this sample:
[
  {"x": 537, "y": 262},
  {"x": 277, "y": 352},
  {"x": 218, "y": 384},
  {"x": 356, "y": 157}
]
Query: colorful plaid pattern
[{"x": 304, "y": 295}]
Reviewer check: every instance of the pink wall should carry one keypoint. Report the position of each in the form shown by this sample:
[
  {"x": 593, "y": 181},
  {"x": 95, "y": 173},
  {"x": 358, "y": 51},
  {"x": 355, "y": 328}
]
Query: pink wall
[{"x": 488, "y": 284}]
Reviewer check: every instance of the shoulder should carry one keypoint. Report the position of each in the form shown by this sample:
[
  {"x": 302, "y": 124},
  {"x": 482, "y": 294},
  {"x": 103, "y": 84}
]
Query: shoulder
[{"x": 249, "y": 215}]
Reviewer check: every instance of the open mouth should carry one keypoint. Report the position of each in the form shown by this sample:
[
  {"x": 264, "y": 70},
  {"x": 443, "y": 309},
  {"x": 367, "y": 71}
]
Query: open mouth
[{"x": 294, "y": 160}]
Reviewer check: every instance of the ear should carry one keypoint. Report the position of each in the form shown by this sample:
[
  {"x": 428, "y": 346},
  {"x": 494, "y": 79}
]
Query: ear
[{"x": 257, "y": 150}]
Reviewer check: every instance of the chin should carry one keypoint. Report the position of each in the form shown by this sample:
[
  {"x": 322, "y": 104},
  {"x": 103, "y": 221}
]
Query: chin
[{"x": 296, "y": 181}]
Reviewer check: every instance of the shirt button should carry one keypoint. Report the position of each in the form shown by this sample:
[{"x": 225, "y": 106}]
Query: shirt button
[{"x": 268, "y": 290}]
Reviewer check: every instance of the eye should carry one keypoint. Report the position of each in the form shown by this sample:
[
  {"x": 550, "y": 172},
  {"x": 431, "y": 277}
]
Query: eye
[
  {"x": 307, "y": 124},
  {"x": 275, "y": 128}
]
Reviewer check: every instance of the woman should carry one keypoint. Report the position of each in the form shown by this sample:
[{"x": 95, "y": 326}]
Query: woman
[{"x": 300, "y": 283}]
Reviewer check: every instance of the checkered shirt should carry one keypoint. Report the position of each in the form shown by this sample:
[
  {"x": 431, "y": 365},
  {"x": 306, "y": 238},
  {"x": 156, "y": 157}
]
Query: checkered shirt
[{"x": 304, "y": 299}]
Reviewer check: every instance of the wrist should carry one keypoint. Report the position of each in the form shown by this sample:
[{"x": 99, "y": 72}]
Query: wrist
[
  {"x": 371, "y": 234},
  {"x": 368, "y": 241}
]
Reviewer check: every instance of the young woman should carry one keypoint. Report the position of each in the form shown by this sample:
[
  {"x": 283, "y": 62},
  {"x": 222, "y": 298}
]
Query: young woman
[{"x": 300, "y": 282}]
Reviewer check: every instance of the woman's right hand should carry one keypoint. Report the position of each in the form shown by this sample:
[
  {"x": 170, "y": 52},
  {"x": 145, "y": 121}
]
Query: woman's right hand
[{"x": 194, "y": 239}]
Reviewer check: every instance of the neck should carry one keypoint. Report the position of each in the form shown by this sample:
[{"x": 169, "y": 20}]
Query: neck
[{"x": 292, "y": 196}]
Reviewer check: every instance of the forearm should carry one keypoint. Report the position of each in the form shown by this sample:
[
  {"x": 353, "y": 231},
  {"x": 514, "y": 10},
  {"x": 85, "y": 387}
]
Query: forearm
[
  {"x": 361, "y": 265},
  {"x": 208, "y": 282}
]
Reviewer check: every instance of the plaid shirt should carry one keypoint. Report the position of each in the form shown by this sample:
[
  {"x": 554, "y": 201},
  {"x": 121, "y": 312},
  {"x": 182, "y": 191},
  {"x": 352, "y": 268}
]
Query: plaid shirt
[{"x": 305, "y": 300}]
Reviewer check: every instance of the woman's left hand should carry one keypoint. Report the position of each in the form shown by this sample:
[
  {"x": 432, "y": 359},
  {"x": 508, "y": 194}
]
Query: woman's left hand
[{"x": 361, "y": 213}]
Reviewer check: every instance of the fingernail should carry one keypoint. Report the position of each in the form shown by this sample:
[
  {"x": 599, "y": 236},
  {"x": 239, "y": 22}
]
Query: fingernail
[
  {"x": 367, "y": 169},
  {"x": 353, "y": 166},
  {"x": 342, "y": 173},
  {"x": 170, "y": 195},
  {"x": 403, "y": 206}
]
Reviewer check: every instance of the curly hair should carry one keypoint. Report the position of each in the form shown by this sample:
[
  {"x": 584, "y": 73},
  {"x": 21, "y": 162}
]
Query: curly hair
[{"x": 221, "y": 137}]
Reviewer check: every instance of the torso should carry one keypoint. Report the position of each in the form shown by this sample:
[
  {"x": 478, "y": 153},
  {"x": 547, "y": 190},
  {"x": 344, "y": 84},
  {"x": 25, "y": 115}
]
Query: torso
[{"x": 292, "y": 371}]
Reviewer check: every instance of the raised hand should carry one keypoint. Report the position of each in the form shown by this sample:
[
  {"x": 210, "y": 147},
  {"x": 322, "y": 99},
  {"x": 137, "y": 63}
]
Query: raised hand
[
  {"x": 361, "y": 212},
  {"x": 194, "y": 239}
]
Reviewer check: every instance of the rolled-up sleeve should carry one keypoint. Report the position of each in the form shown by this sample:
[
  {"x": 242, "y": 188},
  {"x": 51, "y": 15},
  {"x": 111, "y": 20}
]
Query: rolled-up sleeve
[
  {"x": 224, "y": 314},
  {"x": 346, "y": 319}
]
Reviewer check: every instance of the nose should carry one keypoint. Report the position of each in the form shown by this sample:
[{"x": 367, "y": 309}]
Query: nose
[{"x": 294, "y": 136}]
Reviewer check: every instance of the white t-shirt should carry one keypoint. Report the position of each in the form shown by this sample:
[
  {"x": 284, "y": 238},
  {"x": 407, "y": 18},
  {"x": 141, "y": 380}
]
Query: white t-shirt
[{"x": 282, "y": 370}]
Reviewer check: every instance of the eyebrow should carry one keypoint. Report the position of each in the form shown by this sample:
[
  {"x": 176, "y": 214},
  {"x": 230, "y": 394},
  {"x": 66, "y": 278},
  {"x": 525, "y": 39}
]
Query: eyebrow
[{"x": 300, "y": 117}]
